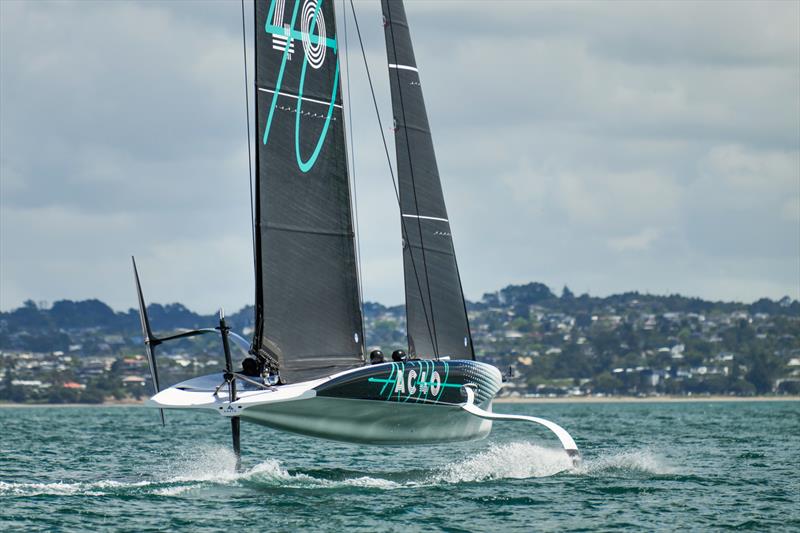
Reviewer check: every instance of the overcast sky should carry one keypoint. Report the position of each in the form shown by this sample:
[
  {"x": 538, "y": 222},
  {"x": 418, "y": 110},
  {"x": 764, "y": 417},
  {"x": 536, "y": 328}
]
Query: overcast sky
[{"x": 606, "y": 146}]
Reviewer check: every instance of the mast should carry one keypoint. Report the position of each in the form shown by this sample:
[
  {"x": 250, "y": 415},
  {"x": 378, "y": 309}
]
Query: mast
[
  {"x": 436, "y": 313},
  {"x": 308, "y": 320}
]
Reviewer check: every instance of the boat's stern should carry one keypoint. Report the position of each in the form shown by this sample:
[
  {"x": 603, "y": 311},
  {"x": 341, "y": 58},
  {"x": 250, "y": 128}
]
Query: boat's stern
[{"x": 211, "y": 392}]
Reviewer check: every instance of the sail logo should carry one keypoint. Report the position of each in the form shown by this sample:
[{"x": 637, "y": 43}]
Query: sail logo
[
  {"x": 415, "y": 381},
  {"x": 313, "y": 36},
  {"x": 434, "y": 385}
]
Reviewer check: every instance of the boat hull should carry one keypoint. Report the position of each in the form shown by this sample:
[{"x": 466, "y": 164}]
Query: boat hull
[
  {"x": 410, "y": 402},
  {"x": 371, "y": 421}
]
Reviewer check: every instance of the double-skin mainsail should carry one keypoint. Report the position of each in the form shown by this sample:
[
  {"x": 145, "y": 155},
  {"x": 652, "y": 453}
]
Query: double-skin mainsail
[{"x": 308, "y": 319}]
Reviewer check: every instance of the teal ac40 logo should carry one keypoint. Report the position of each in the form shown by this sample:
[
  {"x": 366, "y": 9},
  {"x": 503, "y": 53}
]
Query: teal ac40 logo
[
  {"x": 315, "y": 44},
  {"x": 419, "y": 381}
]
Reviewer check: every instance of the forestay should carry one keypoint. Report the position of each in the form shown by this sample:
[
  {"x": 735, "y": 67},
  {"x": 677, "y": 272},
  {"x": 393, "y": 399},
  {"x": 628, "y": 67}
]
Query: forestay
[{"x": 308, "y": 319}]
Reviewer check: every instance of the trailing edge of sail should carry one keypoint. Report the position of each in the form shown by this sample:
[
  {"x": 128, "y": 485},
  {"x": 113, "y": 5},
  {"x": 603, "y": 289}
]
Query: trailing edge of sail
[
  {"x": 308, "y": 319},
  {"x": 436, "y": 315}
]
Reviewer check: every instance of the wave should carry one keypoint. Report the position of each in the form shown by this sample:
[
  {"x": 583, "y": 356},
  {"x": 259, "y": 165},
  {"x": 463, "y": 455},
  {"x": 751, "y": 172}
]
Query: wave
[
  {"x": 517, "y": 460},
  {"x": 630, "y": 462},
  {"x": 60, "y": 488},
  {"x": 521, "y": 460},
  {"x": 215, "y": 466}
]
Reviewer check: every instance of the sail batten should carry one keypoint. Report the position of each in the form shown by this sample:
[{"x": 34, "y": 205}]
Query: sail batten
[
  {"x": 437, "y": 323},
  {"x": 308, "y": 319},
  {"x": 305, "y": 98}
]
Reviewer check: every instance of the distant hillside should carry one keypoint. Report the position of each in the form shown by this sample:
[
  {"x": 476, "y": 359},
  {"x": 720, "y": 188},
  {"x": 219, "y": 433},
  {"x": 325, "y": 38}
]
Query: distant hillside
[
  {"x": 540, "y": 294},
  {"x": 549, "y": 344},
  {"x": 33, "y": 328}
]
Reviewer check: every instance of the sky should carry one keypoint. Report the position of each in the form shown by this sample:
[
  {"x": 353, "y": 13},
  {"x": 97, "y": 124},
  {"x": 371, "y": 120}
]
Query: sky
[{"x": 607, "y": 146}]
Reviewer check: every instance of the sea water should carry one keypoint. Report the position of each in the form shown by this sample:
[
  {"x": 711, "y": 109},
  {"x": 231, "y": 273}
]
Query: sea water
[{"x": 647, "y": 466}]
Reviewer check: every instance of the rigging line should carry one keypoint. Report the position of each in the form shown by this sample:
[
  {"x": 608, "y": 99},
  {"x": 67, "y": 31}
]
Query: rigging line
[
  {"x": 261, "y": 352},
  {"x": 413, "y": 184},
  {"x": 249, "y": 153},
  {"x": 463, "y": 301},
  {"x": 394, "y": 182},
  {"x": 353, "y": 174}
]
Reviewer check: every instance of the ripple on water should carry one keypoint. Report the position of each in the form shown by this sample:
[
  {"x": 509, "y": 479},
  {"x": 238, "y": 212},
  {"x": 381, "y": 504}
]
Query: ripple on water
[{"x": 642, "y": 469}]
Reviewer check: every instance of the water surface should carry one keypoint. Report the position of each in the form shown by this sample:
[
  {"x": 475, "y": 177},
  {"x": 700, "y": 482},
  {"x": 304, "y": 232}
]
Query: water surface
[{"x": 664, "y": 466}]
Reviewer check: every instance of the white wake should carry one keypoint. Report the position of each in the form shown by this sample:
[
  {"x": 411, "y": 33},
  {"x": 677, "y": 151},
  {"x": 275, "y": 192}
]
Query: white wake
[{"x": 215, "y": 465}]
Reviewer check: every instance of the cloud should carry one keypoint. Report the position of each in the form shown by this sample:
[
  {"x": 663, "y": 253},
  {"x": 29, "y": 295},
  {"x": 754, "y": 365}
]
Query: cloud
[{"x": 607, "y": 146}]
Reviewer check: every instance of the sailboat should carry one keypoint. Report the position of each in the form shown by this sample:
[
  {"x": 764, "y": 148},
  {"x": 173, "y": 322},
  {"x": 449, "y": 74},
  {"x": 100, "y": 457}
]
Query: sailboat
[{"x": 306, "y": 368}]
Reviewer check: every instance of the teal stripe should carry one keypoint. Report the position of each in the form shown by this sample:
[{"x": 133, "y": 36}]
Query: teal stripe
[
  {"x": 305, "y": 166},
  {"x": 394, "y": 367},
  {"x": 298, "y": 35}
]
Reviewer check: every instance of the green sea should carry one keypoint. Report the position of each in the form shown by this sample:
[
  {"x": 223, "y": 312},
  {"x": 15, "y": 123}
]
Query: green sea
[{"x": 647, "y": 467}]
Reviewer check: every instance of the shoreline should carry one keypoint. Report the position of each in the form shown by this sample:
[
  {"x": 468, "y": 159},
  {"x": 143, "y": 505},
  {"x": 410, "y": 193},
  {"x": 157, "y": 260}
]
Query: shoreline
[
  {"x": 505, "y": 400},
  {"x": 650, "y": 399}
]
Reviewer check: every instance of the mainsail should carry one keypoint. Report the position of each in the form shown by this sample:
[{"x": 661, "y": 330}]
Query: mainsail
[
  {"x": 308, "y": 320},
  {"x": 436, "y": 316}
]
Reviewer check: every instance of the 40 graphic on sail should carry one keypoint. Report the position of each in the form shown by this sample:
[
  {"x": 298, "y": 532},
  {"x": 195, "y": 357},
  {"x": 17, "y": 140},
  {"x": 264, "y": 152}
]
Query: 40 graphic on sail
[{"x": 312, "y": 35}]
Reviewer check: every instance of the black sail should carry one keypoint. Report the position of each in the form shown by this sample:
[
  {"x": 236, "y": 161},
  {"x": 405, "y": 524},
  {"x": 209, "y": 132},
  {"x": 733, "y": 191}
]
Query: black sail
[
  {"x": 308, "y": 320},
  {"x": 436, "y": 316}
]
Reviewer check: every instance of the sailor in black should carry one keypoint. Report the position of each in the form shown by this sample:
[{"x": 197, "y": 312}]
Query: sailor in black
[{"x": 250, "y": 367}]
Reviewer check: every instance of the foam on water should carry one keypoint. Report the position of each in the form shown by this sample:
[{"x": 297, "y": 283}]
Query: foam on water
[
  {"x": 215, "y": 465},
  {"x": 521, "y": 460},
  {"x": 516, "y": 460},
  {"x": 60, "y": 488},
  {"x": 205, "y": 463}
]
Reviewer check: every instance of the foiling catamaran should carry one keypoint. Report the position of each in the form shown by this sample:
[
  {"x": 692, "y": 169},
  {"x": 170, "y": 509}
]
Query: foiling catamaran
[{"x": 306, "y": 369}]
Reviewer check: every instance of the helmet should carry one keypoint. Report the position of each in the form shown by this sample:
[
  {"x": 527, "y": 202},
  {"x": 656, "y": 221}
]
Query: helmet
[{"x": 376, "y": 357}]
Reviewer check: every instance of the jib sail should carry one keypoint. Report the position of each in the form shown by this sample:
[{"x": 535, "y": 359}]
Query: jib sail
[{"x": 435, "y": 310}]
